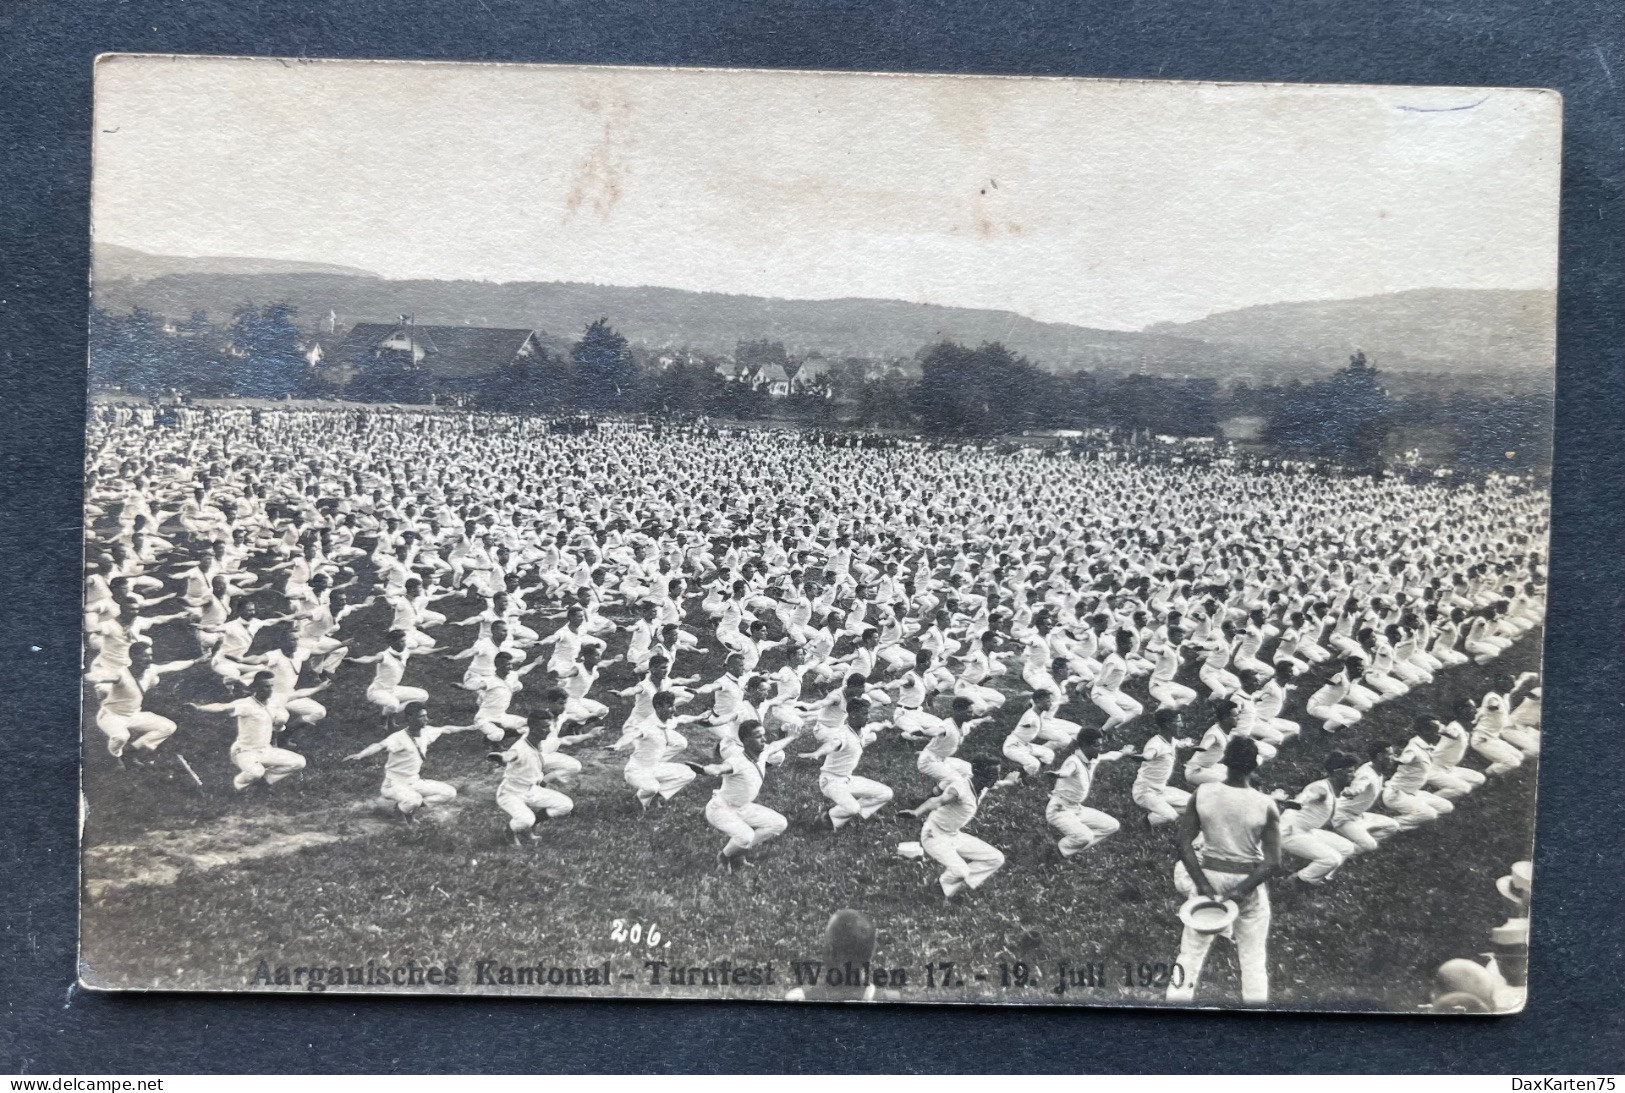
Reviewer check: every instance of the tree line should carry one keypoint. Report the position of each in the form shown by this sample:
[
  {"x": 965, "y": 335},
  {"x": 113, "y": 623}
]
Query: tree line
[
  {"x": 948, "y": 389},
  {"x": 256, "y": 354}
]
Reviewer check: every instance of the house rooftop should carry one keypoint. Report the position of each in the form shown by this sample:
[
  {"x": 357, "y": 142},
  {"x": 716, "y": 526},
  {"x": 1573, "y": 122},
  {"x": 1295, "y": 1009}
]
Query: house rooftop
[{"x": 449, "y": 352}]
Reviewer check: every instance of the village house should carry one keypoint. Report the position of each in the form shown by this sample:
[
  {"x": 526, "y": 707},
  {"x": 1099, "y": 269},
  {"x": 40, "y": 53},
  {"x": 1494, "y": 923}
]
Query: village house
[
  {"x": 451, "y": 356},
  {"x": 667, "y": 358},
  {"x": 811, "y": 377},
  {"x": 806, "y": 377},
  {"x": 774, "y": 379}
]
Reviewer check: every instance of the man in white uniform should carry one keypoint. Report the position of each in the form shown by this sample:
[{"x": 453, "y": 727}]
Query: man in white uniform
[
  {"x": 1330, "y": 704},
  {"x": 732, "y": 809},
  {"x": 967, "y": 862},
  {"x": 284, "y": 661},
  {"x": 523, "y": 793},
  {"x": 482, "y": 655},
  {"x": 1405, "y": 795},
  {"x": 1449, "y": 778},
  {"x": 120, "y": 714},
  {"x": 841, "y": 748},
  {"x": 1080, "y": 826},
  {"x": 1491, "y": 722},
  {"x": 1206, "y": 764},
  {"x": 944, "y": 735},
  {"x": 1023, "y": 746},
  {"x": 1170, "y": 695},
  {"x": 252, "y": 754},
  {"x": 1107, "y": 691},
  {"x": 1163, "y": 803},
  {"x": 386, "y": 690},
  {"x": 567, "y": 641},
  {"x": 1306, "y": 831},
  {"x": 403, "y": 767},
  {"x": 496, "y": 695},
  {"x": 1353, "y": 818}
]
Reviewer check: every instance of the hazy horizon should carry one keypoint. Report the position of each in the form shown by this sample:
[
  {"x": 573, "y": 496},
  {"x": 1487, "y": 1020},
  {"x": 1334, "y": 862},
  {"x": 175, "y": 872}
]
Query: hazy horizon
[
  {"x": 813, "y": 299},
  {"x": 1106, "y": 204}
]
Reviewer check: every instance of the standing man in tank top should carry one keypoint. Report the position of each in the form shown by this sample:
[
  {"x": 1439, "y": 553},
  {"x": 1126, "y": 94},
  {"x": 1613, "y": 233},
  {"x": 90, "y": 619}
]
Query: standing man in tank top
[{"x": 1240, "y": 832}]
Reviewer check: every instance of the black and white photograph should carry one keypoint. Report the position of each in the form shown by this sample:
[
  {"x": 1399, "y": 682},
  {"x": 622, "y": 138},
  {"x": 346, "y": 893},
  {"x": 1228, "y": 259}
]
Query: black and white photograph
[{"x": 804, "y": 536}]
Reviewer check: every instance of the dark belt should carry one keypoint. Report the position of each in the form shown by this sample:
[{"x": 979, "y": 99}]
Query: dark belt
[{"x": 1221, "y": 865}]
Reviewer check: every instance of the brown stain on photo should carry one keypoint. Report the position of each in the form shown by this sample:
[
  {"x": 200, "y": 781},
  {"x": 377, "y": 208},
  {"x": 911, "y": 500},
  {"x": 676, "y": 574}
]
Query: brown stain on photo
[
  {"x": 970, "y": 113},
  {"x": 598, "y": 181},
  {"x": 984, "y": 217}
]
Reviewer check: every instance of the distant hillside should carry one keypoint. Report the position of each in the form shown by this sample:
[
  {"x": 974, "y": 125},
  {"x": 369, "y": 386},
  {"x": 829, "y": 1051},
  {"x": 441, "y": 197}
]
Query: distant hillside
[
  {"x": 1425, "y": 330},
  {"x": 114, "y": 263},
  {"x": 1449, "y": 332},
  {"x": 709, "y": 322}
]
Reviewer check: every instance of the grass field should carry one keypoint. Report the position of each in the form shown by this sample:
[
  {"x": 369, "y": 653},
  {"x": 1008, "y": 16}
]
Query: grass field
[{"x": 192, "y": 891}]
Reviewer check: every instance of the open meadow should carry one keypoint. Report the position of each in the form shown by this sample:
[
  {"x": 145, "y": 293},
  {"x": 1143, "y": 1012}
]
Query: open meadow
[{"x": 198, "y": 889}]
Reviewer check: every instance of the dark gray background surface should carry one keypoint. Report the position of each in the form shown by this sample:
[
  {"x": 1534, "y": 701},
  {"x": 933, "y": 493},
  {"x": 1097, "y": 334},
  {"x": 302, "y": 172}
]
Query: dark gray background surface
[{"x": 1574, "y": 1023}]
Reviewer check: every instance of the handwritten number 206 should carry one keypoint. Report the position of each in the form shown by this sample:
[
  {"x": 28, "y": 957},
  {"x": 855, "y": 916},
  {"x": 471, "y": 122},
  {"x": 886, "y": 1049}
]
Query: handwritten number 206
[{"x": 635, "y": 933}]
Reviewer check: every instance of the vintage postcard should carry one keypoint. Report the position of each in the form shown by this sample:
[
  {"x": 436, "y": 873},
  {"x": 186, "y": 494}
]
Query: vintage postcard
[{"x": 655, "y": 533}]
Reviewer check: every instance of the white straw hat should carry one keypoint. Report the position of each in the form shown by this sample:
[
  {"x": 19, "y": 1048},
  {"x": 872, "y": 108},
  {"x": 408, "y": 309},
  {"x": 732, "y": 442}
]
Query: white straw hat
[
  {"x": 1515, "y": 886},
  {"x": 1207, "y": 915}
]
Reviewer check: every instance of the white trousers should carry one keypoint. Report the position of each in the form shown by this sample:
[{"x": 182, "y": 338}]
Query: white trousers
[
  {"x": 1251, "y": 932},
  {"x": 896, "y": 658},
  {"x": 1414, "y": 809},
  {"x": 577, "y": 710},
  {"x": 326, "y": 652},
  {"x": 1323, "y": 850},
  {"x": 1031, "y": 757},
  {"x": 983, "y": 700},
  {"x": 226, "y": 668},
  {"x": 522, "y": 807},
  {"x": 967, "y": 862},
  {"x": 746, "y": 826},
  {"x": 653, "y": 780},
  {"x": 491, "y": 725},
  {"x": 1503, "y": 757},
  {"x": 1171, "y": 695},
  {"x": 1334, "y": 715},
  {"x": 1080, "y": 826},
  {"x": 307, "y": 710},
  {"x": 1164, "y": 804},
  {"x": 409, "y": 796},
  {"x": 1454, "y": 782},
  {"x": 852, "y": 796},
  {"x": 1367, "y": 831},
  {"x": 1219, "y": 681},
  {"x": 271, "y": 764},
  {"x": 1525, "y": 740},
  {"x": 1118, "y": 707},
  {"x": 394, "y": 699},
  {"x": 1059, "y": 732},
  {"x": 914, "y": 720},
  {"x": 937, "y": 768},
  {"x": 558, "y": 762},
  {"x": 153, "y": 729}
]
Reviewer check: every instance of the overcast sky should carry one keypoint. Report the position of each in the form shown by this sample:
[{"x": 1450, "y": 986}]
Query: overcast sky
[{"x": 1106, "y": 203}]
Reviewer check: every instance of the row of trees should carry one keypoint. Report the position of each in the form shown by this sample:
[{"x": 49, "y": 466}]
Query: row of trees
[
  {"x": 602, "y": 373},
  {"x": 257, "y": 354},
  {"x": 957, "y": 390},
  {"x": 990, "y": 390}
]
